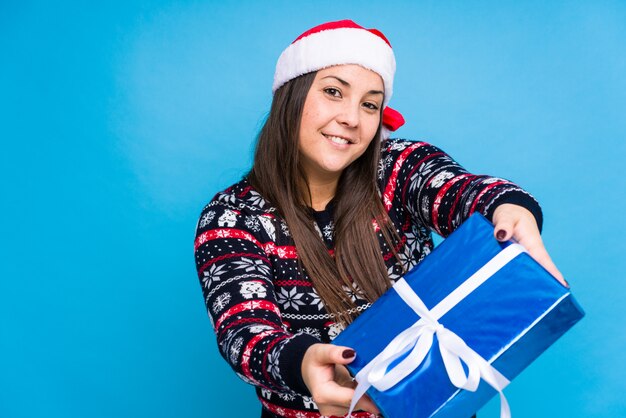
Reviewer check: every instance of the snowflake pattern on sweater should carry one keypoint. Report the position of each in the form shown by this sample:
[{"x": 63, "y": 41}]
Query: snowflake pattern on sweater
[{"x": 265, "y": 310}]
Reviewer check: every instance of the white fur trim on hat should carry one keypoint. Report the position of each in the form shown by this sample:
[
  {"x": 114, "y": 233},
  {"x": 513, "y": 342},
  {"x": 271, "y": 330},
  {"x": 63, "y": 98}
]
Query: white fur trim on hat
[{"x": 335, "y": 47}]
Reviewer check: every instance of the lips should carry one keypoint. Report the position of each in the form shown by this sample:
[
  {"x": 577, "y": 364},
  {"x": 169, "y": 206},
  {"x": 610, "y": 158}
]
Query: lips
[{"x": 338, "y": 139}]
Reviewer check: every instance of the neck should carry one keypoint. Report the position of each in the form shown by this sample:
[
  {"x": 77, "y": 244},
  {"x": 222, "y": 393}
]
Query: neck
[{"x": 322, "y": 192}]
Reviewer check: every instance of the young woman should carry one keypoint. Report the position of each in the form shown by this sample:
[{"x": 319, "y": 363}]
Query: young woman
[{"x": 330, "y": 215}]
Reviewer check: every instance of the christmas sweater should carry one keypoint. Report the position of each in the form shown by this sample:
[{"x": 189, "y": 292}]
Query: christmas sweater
[{"x": 265, "y": 311}]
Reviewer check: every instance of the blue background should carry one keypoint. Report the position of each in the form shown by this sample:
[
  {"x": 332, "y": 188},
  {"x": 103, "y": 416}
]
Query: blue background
[{"x": 120, "y": 120}]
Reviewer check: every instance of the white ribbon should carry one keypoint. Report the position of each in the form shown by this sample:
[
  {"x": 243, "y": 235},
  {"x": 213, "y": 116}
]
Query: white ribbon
[{"x": 418, "y": 340}]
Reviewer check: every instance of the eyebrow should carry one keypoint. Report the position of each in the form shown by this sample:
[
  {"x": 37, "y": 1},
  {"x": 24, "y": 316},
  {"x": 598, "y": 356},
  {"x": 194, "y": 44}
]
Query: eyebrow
[{"x": 345, "y": 83}]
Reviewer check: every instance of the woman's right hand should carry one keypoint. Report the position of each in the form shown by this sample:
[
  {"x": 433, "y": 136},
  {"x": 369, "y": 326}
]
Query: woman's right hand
[{"x": 328, "y": 380}]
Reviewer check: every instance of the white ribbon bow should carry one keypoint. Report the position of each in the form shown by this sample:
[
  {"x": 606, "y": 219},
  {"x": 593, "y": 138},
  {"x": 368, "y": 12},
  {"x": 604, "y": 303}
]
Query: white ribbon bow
[{"x": 418, "y": 340}]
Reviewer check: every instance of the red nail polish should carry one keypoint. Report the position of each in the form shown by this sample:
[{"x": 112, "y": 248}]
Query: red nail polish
[
  {"x": 501, "y": 234},
  {"x": 348, "y": 353}
]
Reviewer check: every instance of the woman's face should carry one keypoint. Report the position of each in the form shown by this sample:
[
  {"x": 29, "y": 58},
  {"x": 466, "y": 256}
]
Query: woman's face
[{"x": 339, "y": 120}]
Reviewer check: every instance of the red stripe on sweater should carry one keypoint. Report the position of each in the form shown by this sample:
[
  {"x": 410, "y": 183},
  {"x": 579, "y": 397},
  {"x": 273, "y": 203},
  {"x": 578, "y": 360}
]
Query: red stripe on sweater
[
  {"x": 407, "y": 222},
  {"x": 297, "y": 413},
  {"x": 266, "y": 353},
  {"x": 247, "y": 352},
  {"x": 284, "y": 252},
  {"x": 293, "y": 283},
  {"x": 442, "y": 192},
  {"x": 468, "y": 180},
  {"x": 244, "y": 191},
  {"x": 488, "y": 199},
  {"x": 390, "y": 189},
  {"x": 247, "y": 306},
  {"x": 270, "y": 248},
  {"x": 417, "y": 166},
  {"x": 482, "y": 193},
  {"x": 255, "y": 321},
  {"x": 389, "y": 255},
  {"x": 224, "y": 233}
]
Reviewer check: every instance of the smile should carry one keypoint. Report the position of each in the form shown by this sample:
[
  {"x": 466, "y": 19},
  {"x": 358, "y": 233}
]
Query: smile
[{"x": 337, "y": 139}]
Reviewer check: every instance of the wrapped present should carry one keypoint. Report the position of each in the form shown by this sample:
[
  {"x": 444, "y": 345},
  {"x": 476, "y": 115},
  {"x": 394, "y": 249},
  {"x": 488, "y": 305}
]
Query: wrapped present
[{"x": 457, "y": 328}]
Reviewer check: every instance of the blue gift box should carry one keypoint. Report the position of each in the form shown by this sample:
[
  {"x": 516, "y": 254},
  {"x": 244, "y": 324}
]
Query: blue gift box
[{"x": 508, "y": 319}]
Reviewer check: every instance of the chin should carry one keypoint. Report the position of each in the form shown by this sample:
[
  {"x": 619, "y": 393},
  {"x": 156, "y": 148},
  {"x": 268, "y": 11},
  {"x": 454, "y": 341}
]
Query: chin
[{"x": 335, "y": 168}]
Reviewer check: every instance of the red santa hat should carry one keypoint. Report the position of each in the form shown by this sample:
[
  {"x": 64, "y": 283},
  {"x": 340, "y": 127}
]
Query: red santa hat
[{"x": 336, "y": 43}]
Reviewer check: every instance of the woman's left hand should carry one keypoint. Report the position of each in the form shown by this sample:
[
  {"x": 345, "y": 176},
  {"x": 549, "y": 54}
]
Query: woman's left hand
[{"x": 518, "y": 223}]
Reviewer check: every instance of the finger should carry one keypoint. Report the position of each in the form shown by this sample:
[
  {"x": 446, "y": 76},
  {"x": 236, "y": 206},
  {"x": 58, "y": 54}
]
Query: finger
[
  {"x": 536, "y": 249},
  {"x": 343, "y": 377},
  {"x": 332, "y": 411},
  {"x": 334, "y": 401},
  {"x": 333, "y": 354},
  {"x": 333, "y": 395},
  {"x": 539, "y": 253},
  {"x": 366, "y": 404},
  {"x": 504, "y": 226}
]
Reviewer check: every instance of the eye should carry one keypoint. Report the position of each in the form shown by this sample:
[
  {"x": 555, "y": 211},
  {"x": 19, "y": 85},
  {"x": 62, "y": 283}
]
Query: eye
[
  {"x": 370, "y": 105},
  {"x": 331, "y": 91}
]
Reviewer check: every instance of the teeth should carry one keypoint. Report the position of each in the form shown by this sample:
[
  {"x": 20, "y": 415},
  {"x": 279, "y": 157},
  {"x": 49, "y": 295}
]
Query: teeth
[{"x": 337, "y": 140}]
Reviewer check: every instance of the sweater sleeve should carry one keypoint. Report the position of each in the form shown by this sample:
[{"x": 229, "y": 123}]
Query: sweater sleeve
[
  {"x": 440, "y": 193},
  {"x": 236, "y": 278}
]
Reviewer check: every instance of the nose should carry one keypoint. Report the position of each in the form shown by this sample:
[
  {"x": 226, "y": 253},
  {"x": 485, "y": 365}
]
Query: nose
[{"x": 349, "y": 115}]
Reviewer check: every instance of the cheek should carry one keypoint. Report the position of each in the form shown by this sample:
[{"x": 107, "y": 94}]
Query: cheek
[
  {"x": 308, "y": 122},
  {"x": 312, "y": 112},
  {"x": 370, "y": 128},
  {"x": 304, "y": 132}
]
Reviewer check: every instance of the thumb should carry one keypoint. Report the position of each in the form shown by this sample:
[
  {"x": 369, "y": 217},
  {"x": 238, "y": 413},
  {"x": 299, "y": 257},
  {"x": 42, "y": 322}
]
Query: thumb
[
  {"x": 333, "y": 354},
  {"x": 503, "y": 227}
]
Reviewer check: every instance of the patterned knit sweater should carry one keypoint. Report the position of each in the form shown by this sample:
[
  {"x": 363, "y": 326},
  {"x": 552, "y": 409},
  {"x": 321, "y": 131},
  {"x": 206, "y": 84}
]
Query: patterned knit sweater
[{"x": 265, "y": 310}]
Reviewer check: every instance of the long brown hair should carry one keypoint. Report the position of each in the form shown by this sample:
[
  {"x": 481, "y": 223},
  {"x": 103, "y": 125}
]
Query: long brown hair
[{"x": 277, "y": 174}]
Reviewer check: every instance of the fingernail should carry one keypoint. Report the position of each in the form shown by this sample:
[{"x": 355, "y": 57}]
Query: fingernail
[
  {"x": 501, "y": 234},
  {"x": 348, "y": 353},
  {"x": 566, "y": 283}
]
